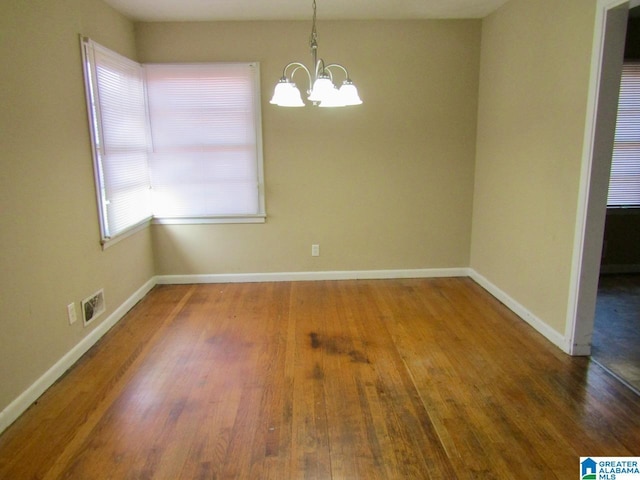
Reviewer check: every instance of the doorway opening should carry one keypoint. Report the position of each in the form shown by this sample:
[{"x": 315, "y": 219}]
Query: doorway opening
[{"x": 616, "y": 334}]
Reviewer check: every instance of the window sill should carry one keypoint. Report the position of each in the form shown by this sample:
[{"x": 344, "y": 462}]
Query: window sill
[
  {"x": 260, "y": 218},
  {"x": 106, "y": 243}
]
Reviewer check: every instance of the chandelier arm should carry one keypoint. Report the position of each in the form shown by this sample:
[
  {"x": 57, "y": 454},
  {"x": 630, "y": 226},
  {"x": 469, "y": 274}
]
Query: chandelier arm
[
  {"x": 297, "y": 66},
  {"x": 320, "y": 68},
  {"x": 346, "y": 73}
]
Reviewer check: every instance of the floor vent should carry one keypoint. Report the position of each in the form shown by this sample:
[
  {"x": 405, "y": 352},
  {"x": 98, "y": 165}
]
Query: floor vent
[{"x": 93, "y": 306}]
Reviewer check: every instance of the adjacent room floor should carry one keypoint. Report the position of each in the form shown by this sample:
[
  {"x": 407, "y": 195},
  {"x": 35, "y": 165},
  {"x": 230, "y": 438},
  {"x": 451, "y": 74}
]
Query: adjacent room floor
[{"x": 616, "y": 338}]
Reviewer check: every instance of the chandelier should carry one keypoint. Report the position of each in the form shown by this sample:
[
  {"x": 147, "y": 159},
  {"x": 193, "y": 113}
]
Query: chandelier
[{"x": 322, "y": 91}]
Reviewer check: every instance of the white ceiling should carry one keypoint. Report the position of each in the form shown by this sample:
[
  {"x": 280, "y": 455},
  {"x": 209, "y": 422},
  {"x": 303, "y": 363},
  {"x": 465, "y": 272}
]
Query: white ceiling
[{"x": 203, "y": 10}]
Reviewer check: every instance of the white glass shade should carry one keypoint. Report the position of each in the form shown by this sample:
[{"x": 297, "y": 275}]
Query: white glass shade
[
  {"x": 322, "y": 88},
  {"x": 332, "y": 99},
  {"x": 286, "y": 94},
  {"x": 349, "y": 94}
]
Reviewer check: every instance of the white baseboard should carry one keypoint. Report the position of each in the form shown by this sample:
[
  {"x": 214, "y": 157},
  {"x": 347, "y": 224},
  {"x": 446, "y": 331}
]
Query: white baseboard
[
  {"x": 310, "y": 276},
  {"x": 539, "y": 325},
  {"x": 24, "y": 401},
  {"x": 577, "y": 350}
]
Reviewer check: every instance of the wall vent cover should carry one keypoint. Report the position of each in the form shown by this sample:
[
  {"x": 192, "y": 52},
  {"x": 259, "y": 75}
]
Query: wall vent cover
[{"x": 93, "y": 306}]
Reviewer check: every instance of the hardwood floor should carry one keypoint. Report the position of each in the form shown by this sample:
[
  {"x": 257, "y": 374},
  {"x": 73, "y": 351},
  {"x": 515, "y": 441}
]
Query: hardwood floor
[{"x": 380, "y": 379}]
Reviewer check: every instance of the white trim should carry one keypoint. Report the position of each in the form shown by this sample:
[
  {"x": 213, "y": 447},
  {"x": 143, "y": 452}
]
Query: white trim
[
  {"x": 110, "y": 242},
  {"x": 258, "y": 218},
  {"x": 580, "y": 350},
  {"x": 578, "y": 261},
  {"x": 31, "y": 394},
  {"x": 259, "y": 146},
  {"x": 539, "y": 325},
  {"x": 311, "y": 276}
]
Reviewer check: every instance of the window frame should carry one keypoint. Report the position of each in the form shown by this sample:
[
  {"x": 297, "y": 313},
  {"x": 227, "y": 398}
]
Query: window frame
[
  {"x": 98, "y": 143},
  {"x": 260, "y": 215},
  {"x": 95, "y": 117}
]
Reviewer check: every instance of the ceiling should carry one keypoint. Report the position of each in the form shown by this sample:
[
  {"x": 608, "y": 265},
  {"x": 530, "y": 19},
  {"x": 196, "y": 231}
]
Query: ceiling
[{"x": 207, "y": 10}]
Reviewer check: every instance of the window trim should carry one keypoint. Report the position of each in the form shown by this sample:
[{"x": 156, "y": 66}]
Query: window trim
[
  {"x": 93, "y": 114},
  {"x": 94, "y": 118},
  {"x": 99, "y": 147},
  {"x": 257, "y": 218},
  {"x": 260, "y": 215}
]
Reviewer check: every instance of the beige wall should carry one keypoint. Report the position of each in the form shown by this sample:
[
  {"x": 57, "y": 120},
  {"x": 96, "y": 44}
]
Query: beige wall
[
  {"x": 386, "y": 185},
  {"x": 534, "y": 78},
  {"x": 49, "y": 239}
]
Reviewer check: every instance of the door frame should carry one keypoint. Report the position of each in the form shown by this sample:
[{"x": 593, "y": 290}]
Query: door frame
[{"x": 604, "y": 86}]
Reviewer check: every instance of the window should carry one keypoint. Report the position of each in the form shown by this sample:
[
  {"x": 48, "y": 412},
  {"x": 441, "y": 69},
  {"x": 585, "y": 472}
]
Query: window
[
  {"x": 118, "y": 120},
  {"x": 179, "y": 143},
  {"x": 205, "y": 137},
  {"x": 624, "y": 183}
]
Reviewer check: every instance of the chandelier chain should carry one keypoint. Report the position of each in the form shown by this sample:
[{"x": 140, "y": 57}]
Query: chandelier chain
[{"x": 313, "y": 41}]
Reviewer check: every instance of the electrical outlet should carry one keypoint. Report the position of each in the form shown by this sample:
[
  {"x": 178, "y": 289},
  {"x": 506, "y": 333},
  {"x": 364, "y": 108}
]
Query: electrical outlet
[
  {"x": 71, "y": 313},
  {"x": 315, "y": 250},
  {"x": 93, "y": 306}
]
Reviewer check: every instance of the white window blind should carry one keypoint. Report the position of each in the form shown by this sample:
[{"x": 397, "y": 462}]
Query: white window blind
[
  {"x": 118, "y": 119},
  {"x": 624, "y": 183},
  {"x": 205, "y": 126}
]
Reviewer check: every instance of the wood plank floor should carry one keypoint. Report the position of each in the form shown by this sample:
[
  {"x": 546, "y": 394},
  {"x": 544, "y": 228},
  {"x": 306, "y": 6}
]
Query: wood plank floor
[{"x": 375, "y": 379}]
